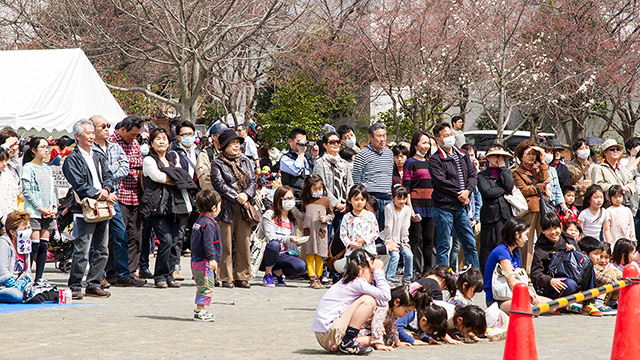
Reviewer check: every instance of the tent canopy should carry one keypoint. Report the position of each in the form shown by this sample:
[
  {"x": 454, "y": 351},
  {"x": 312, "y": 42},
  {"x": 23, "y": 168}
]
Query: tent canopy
[{"x": 49, "y": 90}]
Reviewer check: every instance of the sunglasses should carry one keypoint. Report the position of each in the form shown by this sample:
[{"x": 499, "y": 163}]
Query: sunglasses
[
  {"x": 105, "y": 126},
  {"x": 333, "y": 142}
]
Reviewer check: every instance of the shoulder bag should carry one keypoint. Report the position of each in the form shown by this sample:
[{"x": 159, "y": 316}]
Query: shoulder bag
[
  {"x": 517, "y": 201},
  {"x": 546, "y": 205},
  {"x": 95, "y": 210},
  {"x": 499, "y": 284}
]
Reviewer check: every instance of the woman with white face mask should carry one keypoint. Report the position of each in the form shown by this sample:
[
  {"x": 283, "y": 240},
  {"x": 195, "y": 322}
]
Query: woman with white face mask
[
  {"x": 279, "y": 228},
  {"x": 580, "y": 169}
]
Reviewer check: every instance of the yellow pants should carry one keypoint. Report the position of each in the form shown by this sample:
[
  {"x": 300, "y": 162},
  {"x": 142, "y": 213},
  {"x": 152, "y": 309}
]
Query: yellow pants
[{"x": 314, "y": 265}]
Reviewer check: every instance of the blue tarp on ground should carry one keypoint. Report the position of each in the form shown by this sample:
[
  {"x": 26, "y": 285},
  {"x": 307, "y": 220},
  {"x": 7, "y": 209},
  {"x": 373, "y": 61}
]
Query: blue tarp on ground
[{"x": 9, "y": 308}]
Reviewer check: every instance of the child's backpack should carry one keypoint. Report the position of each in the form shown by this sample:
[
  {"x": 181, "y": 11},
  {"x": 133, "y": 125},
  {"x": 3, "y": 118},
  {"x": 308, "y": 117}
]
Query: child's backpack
[{"x": 571, "y": 264}]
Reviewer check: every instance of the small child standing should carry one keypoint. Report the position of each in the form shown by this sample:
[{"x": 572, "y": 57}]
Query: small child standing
[
  {"x": 205, "y": 251},
  {"x": 318, "y": 213},
  {"x": 359, "y": 227},
  {"x": 397, "y": 219},
  {"x": 594, "y": 220},
  {"x": 569, "y": 193},
  {"x": 622, "y": 224}
]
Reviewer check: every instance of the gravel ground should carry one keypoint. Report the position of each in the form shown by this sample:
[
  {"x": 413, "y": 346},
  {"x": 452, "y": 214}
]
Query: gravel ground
[{"x": 258, "y": 323}]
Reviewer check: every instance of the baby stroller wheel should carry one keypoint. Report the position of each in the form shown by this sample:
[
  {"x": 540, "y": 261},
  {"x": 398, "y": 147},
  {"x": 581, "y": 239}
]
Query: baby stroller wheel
[{"x": 64, "y": 266}]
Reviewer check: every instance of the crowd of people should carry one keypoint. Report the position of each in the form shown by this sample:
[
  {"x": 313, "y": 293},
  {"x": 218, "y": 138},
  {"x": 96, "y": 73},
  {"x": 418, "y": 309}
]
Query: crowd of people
[{"x": 388, "y": 226}]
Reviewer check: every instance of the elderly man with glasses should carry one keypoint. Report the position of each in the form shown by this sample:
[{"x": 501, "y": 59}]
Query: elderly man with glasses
[{"x": 609, "y": 173}]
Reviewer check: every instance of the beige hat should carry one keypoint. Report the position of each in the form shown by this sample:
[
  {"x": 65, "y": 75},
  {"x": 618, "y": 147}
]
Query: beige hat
[
  {"x": 610, "y": 143},
  {"x": 497, "y": 151}
]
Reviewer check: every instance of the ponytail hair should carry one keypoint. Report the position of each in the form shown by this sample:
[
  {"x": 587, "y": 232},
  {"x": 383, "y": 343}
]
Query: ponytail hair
[
  {"x": 410, "y": 295},
  {"x": 358, "y": 258},
  {"x": 442, "y": 271},
  {"x": 436, "y": 317},
  {"x": 29, "y": 155}
]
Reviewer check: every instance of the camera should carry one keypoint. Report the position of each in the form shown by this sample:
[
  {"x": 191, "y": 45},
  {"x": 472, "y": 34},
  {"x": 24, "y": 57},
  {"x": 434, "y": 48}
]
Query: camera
[{"x": 307, "y": 144}]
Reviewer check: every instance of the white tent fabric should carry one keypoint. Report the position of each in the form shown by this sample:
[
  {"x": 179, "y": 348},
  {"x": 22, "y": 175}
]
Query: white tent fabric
[{"x": 52, "y": 89}]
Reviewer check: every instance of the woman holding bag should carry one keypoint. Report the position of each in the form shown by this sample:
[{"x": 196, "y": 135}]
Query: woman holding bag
[
  {"x": 233, "y": 177},
  {"x": 494, "y": 183},
  {"x": 531, "y": 177},
  {"x": 513, "y": 236}
]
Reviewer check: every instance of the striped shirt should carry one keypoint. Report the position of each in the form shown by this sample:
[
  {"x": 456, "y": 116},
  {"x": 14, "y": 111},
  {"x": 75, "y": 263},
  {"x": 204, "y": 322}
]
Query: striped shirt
[
  {"x": 417, "y": 180},
  {"x": 374, "y": 169},
  {"x": 456, "y": 157}
]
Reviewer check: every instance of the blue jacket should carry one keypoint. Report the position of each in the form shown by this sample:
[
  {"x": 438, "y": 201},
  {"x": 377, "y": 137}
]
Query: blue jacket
[
  {"x": 412, "y": 324},
  {"x": 205, "y": 238},
  {"x": 77, "y": 172}
]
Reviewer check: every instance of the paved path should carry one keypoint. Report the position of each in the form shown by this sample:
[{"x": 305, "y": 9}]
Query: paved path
[{"x": 259, "y": 323}]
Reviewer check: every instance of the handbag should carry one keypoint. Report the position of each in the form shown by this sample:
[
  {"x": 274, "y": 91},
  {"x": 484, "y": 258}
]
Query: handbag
[
  {"x": 546, "y": 205},
  {"x": 258, "y": 244},
  {"x": 499, "y": 284},
  {"x": 251, "y": 214},
  {"x": 517, "y": 201},
  {"x": 95, "y": 210}
]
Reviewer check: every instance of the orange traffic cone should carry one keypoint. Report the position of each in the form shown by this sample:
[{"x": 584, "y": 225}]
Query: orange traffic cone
[
  {"x": 521, "y": 341},
  {"x": 626, "y": 337}
]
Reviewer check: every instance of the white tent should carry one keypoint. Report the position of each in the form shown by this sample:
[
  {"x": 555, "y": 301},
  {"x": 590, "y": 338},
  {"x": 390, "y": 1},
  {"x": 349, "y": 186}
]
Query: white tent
[{"x": 52, "y": 89}]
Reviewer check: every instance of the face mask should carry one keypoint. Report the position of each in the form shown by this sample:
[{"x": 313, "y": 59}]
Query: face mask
[
  {"x": 288, "y": 204},
  {"x": 24, "y": 241},
  {"x": 548, "y": 159},
  {"x": 316, "y": 194},
  {"x": 420, "y": 154},
  {"x": 583, "y": 154},
  {"x": 188, "y": 140},
  {"x": 144, "y": 149},
  {"x": 350, "y": 143},
  {"x": 449, "y": 141}
]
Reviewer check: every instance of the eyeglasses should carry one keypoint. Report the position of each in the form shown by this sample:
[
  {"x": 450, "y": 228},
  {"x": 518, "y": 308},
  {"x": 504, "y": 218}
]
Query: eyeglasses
[
  {"x": 614, "y": 149},
  {"x": 105, "y": 126},
  {"x": 43, "y": 147},
  {"x": 333, "y": 142},
  {"x": 188, "y": 134},
  {"x": 288, "y": 198}
]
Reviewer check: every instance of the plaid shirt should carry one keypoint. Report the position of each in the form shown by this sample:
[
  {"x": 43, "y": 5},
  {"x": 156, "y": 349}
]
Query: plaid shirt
[
  {"x": 601, "y": 277},
  {"x": 129, "y": 187}
]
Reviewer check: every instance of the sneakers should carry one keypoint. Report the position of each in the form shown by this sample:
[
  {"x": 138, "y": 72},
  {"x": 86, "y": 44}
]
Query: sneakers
[
  {"x": 76, "y": 295},
  {"x": 267, "y": 280},
  {"x": 177, "y": 275},
  {"x": 591, "y": 310},
  {"x": 203, "y": 315},
  {"x": 146, "y": 274},
  {"x": 354, "y": 348},
  {"x": 280, "y": 281},
  {"x": 608, "y": 310},
  {"x": 574, "y": 308}
]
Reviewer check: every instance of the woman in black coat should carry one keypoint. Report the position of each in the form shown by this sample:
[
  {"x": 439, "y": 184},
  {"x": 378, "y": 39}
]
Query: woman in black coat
[
  {"x": 493, "y": 182},
  {"x": 233, "y": 176}
]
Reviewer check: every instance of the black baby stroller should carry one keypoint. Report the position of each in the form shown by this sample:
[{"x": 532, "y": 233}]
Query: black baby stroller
[{"x": 61, "y": 242}]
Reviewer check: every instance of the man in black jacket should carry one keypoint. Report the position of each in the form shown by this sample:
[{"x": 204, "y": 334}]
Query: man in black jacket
[
  {"x": 454, "y": 178},
  {"x": 296, "y": 164},
  {"x": 90, "y": 177}
]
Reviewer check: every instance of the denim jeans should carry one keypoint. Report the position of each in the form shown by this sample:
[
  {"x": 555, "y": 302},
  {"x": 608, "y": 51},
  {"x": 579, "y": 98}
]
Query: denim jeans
[
  {"x": 280, "y": 260},
  {"x": 394, "y": 257},
  {"x": 90, "y": 236},
  {"x": 166, "y": 228},
  {"x": 453, "y": 254},
  {"x": 10, "y": 295},
  {"x": 458, "y": 224},
  {"x": 119, "y": 261}
]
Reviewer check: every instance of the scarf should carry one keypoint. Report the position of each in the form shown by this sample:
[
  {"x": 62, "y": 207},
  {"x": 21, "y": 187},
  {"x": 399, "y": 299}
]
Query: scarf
[
  {"x": 335, "y": 161},
  {"x": 233, "y": 161}
]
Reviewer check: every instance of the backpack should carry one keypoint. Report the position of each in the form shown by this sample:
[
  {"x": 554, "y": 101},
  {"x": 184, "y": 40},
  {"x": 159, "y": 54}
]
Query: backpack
[{"x": 572, "y": 265}]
